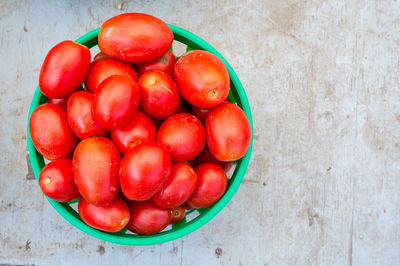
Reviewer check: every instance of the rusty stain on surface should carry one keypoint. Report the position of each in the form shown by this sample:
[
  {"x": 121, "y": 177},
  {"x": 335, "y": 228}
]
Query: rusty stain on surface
[
  {"x": 101, "y": 250},
  {"x": 311, "y": 216},
  {"x": 218, "y": 252},
  {"x": 246, "y": 180},
  {"x": 27, "y": 245}
]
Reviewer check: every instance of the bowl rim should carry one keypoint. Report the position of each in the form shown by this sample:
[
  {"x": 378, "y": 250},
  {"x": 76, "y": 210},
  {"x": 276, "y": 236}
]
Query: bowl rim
[{"x": 37, "y": 162}]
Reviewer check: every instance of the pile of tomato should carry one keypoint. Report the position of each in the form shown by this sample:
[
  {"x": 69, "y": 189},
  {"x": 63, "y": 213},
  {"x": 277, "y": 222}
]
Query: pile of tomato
[{"x": 146, "y": 137}]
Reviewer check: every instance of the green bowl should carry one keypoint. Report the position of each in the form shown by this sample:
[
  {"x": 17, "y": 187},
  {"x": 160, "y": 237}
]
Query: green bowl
[{"x": 199, "y": 217}]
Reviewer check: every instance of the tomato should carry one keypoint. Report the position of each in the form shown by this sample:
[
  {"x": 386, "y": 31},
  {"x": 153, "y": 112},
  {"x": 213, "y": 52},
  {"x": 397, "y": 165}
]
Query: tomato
[
  {"x": 228, "y": 132},
  {"x": 182, "y": 109},
  {"x": 57, "y": 182},
  {"x": 50, "y": 132},
  {"x": 187, "y": 207},
  {"x": 100, "y": 55},
  {"x": 178, "y": 213},
  {"x": 201, "y": 113},
  {"x": 211, "y": 185},
  {"x": 165, "y": 63},
  {"x": 202, "y": 78},
  {"x": 111, "y": 218},
  {"x": 115, "y": 101},
  {"x": 144, "y": 170},
  {"x": 95, "y": 166},
  {"x": 159, "y": 96},
  {"x": 62, "y": 101},
  {"x": 64, "y": 69},
  {"x": 135, "y": 38},
  {"x": 184, "y": 136},
  {"x": 179, "y": 187},
  {"x": 102, "y": 69},
  {"x": 80, "y": 117},
  {"x": 206, "y": 156},
  {"x": 140, "y": 128},
  {"x": 147, "y": 218}
]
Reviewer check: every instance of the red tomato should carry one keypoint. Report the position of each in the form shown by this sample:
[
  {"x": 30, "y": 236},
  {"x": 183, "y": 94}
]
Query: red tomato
[
  {"x": 80, "y": 117},
  {"x": 159, "y": 96},
  {"x": 50, "y": 132},
  {"x": 99, "y": 56},
  {"x": 178, "y": 213},
  {"x": 64, "y": 69},
  {"x": 140, "y": 128},
  {"x": 111, "y": 218},
  {"x": 206, "y": 156},
  {"x": 95, "y": 166},
  {"x": 147, "y": 218},
  {"x": 62, "y": 101},
  {"x": 187, "y": 207},
  {"x": 211, "y": 185},
  {"x": 135, "y": 38},
  {"x": 165, "y": 63},
  {"x": 116, "y": 101},
  {"x": 102, "y": 69},
  {"x": 201, "y": 113},
  {"x": 179, "y": 187},
  {"x": 202, "y": 78},
  {"x": 57, "y": 182},
  {"x": 182, "y": 109},
  {"x": 144, "y": 170},
  {"x": 228, "y": 132},
  {"x": 184, "y": 136}
]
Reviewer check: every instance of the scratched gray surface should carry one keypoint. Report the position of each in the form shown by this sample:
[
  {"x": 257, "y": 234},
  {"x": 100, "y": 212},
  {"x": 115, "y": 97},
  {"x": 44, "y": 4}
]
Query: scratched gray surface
[{"x": 322, "y": 78}]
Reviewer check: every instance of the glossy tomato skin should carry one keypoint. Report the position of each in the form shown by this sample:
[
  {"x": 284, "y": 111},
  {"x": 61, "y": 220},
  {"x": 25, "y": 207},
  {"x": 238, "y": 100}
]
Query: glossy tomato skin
[
  {"x": 211, "y": 185},
  {"x": 179, "y": 187},
  {"x": 201, "y": 113},
  {"x": 202, "y": 78},
  {"x": 159, "y": 96},
  {"x": 147, "y": 218},
  {"x": 62, "y": 101},
  {"x": 178, "y": 213},
  {"x": 206, "y": 156},
  {"x": 100, "y": 55},
  {"x": 228, "y": 132},
  {"x": 64, "y": 69},
  {"x": 95, "y": 167},
  {"x": 51, "y": 133},
  {"x": 165, "y": 63},
  {"x": 126, "y": 36},
  {"x": 80, "y": 117},
  {"x": 116, "y": 101},
  {"x": 184, "y": 136},
  {"x": 104, "y": 68},
  {"x": 144, "y": 170},
  {"x": 111, "y": 218},
  {"x": 57, "y": 182},
  {"x": 140, "y": 129}
]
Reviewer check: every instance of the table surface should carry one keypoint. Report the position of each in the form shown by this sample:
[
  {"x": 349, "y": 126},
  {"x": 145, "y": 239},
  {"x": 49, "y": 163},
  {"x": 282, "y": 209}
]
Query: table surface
[{"x": 322, "y": 187}]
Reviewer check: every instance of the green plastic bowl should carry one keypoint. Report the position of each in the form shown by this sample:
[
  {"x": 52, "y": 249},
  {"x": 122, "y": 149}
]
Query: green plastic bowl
[{"x": 184, "y": 227}]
